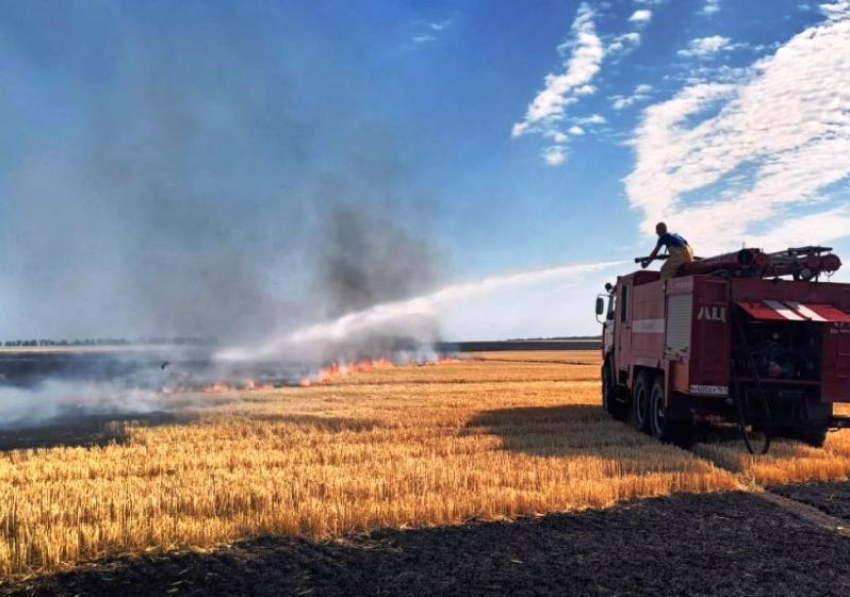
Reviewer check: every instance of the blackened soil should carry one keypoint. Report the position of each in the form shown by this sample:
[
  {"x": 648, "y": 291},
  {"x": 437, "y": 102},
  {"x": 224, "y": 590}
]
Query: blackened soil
[
  {"x": 830, "y": 498},
  {"x": 82, "y": 430},
  {"x": 723, "y": 544}
]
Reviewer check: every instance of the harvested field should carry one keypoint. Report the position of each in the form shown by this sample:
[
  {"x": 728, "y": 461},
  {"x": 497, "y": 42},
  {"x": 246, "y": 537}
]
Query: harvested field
[
  {"x": 730, "y": 545},
  {"x": 573, "y": 357},
  {"x": 788, "y": 461},
  {"x": 393, "y": 447},
  {"x": 485, "y": 439}
]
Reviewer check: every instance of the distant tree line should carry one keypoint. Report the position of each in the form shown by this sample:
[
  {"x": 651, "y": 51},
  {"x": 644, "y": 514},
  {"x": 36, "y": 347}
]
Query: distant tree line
[
  {"x": 554, "y": 338},
  {"x": 180, "y": 341}
]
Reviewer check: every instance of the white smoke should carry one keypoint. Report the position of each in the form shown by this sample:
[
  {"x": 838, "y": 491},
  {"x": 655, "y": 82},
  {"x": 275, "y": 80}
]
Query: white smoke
[
  {"x": 56, "y": 400},
  {"x": 53, "y": 400}
]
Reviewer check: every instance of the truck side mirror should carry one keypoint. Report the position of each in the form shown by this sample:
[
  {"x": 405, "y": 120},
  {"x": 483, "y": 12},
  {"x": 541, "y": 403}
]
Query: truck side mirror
[{"x": 600, "y": 305}]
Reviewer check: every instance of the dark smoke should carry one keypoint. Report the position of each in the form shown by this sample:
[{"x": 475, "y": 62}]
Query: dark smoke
[
  {"x": 368, "y": 260},
  {"x": 212, "y": 173}
]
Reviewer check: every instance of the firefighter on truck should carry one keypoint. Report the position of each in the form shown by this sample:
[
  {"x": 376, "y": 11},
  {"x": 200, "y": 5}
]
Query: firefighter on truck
[{"x": 678, "y": 250}]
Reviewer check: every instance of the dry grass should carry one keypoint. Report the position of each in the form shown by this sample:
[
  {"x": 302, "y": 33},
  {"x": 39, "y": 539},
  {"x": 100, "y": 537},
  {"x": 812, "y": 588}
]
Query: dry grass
[
  {"x": 788, "y": 461},
  {"x": 397, "y": 447},
  {"x": 568, "y": 357}
]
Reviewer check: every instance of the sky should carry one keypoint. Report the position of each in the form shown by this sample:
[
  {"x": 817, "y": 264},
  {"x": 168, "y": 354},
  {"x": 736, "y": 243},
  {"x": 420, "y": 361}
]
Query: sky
[{"x": 176, "y": 167}]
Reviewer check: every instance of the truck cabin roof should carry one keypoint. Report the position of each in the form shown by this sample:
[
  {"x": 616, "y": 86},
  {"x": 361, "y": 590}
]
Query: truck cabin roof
[{"x": 639, "y": 278}]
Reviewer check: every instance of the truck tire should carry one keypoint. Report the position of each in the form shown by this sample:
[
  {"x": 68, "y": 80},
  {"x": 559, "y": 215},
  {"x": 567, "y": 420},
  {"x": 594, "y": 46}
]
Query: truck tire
[
  {"x": 610, "y": 399},
  {"x": 660, "y": 425},
  {"x": 640, "y": 402},
  {"x": 607, "y": 389}
]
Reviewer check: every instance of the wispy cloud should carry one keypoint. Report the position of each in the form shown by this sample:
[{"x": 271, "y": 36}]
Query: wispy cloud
[
  {"x": 430, "y": 31},
  {"x": 727, "y": 162},
  {"x": 710, "y": 7},
  {"x": 641, "y": 16},
  {"x": 440, "y": 25},
  {"x": 554, "y": 155},
  {"x": 591, "y": 120},
  {"x": 705, "y": 47},
  {"x": 836, "y": 10},
  {"x": 583, "y": 53},
  {"x": 641, "y": 94},
  {"x": 625, "y": 43}
]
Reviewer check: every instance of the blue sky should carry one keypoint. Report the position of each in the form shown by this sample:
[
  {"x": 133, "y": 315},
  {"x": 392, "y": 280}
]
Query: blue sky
[{"x": 512, "y": 136}]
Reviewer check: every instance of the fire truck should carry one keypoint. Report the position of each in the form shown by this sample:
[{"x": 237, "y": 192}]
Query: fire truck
[{"x": 759, "y": 340}]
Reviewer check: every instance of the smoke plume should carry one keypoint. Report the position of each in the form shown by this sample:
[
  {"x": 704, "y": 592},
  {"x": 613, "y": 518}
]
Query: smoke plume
[
  {"x": 368, "y": 260},
  {"x": 182, "y": 178},
  {"x": 56, "y": 400}
]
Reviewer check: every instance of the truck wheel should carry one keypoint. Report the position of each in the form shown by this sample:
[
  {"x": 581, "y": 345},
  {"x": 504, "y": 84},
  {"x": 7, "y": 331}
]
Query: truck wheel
[
  {"x": 660, "y": 424},
  {"x": 640, "y": 403},
  {"x": 609, "y": 393},
  {"x": 607, "y": 390}
]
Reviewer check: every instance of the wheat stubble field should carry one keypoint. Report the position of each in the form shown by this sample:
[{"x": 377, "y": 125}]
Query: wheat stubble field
[{"x": 494, "y": 437}]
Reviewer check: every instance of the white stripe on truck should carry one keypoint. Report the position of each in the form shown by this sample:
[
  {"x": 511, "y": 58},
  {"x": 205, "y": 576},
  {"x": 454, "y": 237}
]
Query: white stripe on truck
[
  {"x": 805, "y": 311},
  {"x": 648, "y": 326},
  {"x": 783, "y": 310}
]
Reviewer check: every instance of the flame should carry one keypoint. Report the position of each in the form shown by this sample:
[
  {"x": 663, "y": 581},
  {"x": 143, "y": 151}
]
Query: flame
[
  {"x": 253, "y": 385},
  {"x": 216, "y": 388},
  {"x": 335, "y": 371},
  {"x": 326, "y": 375},
  {"x": 441, "y": 361}
]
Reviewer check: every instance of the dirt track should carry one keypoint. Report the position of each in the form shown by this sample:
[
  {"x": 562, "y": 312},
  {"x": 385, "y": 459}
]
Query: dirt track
[
  {"x": 830, "y": 498},
  {"x": 721, "y": 544}
]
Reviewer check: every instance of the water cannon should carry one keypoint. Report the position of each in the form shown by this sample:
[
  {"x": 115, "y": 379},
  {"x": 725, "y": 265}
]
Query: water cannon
[{"x": 801, "y": 263}]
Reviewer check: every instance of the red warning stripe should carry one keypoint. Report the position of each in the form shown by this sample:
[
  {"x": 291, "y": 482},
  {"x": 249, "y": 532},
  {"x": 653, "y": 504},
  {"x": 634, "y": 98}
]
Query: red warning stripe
[
  {"x": 793, "y": 311},
  {"x": 829, "y": 313}
]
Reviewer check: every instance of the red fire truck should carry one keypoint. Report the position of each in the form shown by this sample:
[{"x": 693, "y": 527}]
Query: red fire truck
[{"x": 758, "y": 339}]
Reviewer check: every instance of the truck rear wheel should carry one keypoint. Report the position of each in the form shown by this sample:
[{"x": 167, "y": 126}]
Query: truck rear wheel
[
  {"x": 659, "y": 423},
  {"x": 662, "y": 423},
  {"x": 640, "y": 402}
]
